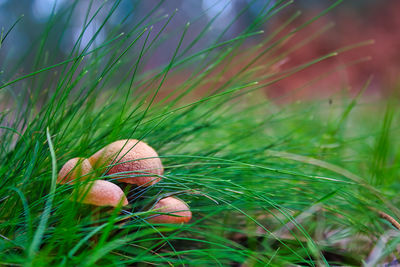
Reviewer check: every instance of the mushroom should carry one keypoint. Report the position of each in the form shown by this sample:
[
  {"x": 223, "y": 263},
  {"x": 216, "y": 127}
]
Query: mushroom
[
  {"x": 179, "y": 210},
  {"x": 74, "y": 169},
  {"x": 102, "y": 193},
  {"x": 132, "y": 158}
]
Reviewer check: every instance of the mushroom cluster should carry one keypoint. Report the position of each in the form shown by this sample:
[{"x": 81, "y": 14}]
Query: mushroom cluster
[{"x": 130, "y": 161}]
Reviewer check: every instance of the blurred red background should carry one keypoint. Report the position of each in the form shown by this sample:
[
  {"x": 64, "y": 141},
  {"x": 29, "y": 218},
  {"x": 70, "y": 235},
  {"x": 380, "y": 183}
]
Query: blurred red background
[
  {"x": 372, "y": 33},
  {"x": 381, "y": 59}
]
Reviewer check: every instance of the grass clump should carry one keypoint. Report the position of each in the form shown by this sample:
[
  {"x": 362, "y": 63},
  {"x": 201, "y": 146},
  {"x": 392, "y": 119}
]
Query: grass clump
[{"x": 308, "y": 183}]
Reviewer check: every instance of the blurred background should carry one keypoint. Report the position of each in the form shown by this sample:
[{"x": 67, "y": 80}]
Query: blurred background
[{"x": 375, "y": 23}]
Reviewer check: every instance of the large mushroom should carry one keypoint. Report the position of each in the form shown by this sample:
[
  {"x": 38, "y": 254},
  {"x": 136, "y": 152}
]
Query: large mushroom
[
  {"x": 102, "y": 193},
  {"x": 173, "y": 211},
  {"x": 75, "y": 169},
  {"x": 130, "y": 158}
]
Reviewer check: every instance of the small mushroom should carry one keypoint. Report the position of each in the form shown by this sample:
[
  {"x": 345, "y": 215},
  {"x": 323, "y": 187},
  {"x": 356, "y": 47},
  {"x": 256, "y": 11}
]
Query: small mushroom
[
  {"x": 102, "y": 193},
  {"x": 74, "y": 169},
  {"x": 179, "y": 210},
  {"x": 132, "y": 158}
]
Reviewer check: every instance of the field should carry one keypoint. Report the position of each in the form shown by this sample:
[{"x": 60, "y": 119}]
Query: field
[{"x": 270, "y": 181}]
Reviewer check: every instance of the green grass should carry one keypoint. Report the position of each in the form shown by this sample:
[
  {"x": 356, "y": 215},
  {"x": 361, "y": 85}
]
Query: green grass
[{"x": 304, "y": 183}]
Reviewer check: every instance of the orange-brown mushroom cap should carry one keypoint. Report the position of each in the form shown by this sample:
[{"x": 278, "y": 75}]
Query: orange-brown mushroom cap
[
  {"x": 130, "y": 158},
  {"x": 179, "y": 210},
  {"x": 74, "y": 169},
  {"x": 102, "y": 193}
]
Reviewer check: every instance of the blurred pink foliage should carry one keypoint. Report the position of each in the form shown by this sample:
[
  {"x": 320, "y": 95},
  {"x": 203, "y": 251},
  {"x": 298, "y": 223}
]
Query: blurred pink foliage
[
  {"x": 376, "y": 26},
  {"x": 380, "y": 58}
]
